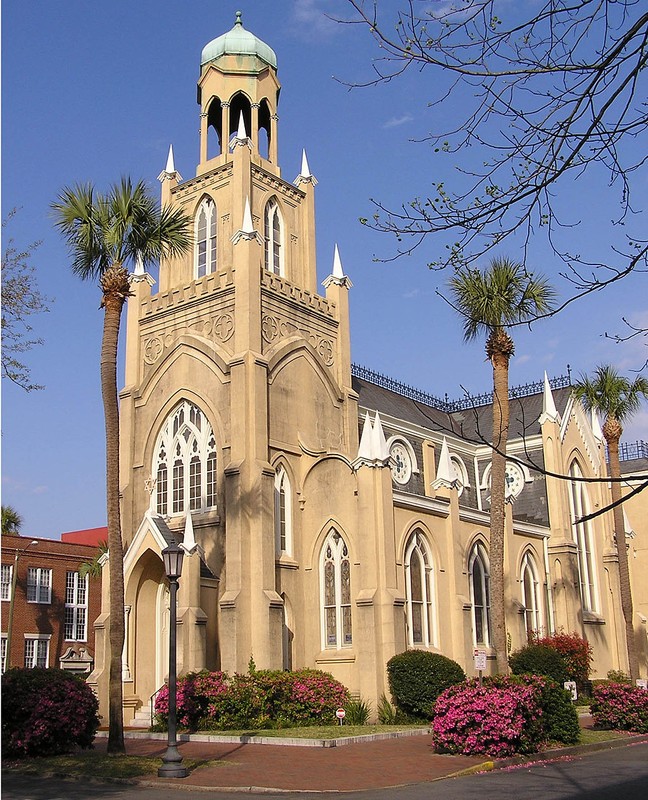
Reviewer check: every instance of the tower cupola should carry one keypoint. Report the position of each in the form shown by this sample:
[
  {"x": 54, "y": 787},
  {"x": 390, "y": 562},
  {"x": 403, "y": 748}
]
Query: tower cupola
[
  {"x": 238, "y": 42},
  {"x": 238, "y": 81}
]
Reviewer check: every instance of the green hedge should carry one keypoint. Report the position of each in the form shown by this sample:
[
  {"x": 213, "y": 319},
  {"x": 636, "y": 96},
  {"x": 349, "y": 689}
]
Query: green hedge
[{"x": 417, "y": 678}]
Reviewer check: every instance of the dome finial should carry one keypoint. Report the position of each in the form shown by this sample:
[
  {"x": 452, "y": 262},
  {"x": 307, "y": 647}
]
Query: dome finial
[{"x": 239, "y": 14}]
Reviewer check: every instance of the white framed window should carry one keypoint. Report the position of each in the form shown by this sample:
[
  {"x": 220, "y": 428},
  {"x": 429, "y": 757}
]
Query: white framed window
[
  {"x": 419, "y": 589},
  {"x": 273, "y": 234},
  {"x": 479, "y": 578},
  {"x": 5, "y": 581},
  {"x": 584, "y": 537},
  {"x": 39, "y": 585},
  {"x": 283, "y": 512},
  {"x": 530, "y": 585},
  {"x": 335, "y": 577},
  {"x": 37, "y": 650},
  {"x": 3, "y": 652},
  {"x": 206, "y": 238},
  {"x": 76, "y": 607},
  {"x": 186, "y": 451}
]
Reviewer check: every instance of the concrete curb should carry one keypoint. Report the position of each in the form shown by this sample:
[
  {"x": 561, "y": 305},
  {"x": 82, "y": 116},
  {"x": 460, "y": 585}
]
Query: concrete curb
[
  {"x": 576, "y": 750},
  {"x": 276, "y": 741}
]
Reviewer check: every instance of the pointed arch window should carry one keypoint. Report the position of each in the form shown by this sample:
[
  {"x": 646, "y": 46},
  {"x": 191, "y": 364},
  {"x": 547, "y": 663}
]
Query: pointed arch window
[
  {"x": 283, "y": 513},
  {"x": 479, "y": 578},
  {"x": 206, "y": 238},
  {"x": 419, "y": 588},
  {"x": 530, "y": 585},
  {"x": 186, "y": 447},
  {"x": 273, "y": 232},
  {"x": 584, "y": 538},
  {"x": 335, "y": 577}
]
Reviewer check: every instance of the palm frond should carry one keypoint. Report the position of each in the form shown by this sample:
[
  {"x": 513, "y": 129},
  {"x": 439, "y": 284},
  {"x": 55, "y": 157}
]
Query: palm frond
[{"x": 611, "y": 394}]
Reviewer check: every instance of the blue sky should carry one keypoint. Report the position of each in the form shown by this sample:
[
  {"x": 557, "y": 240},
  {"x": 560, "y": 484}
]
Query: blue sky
[{"x": 93, "y": 91}]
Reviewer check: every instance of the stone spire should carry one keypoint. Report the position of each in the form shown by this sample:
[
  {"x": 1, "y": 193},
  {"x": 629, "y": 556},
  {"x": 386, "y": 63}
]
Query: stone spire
[
  {"x": 305, "y": 175},
  {"x": 337, "y": 276},
  {"x": 241, "y": 139},
  {"x": 247, "y": 230},
  {"x": 549, "y": 412},
  {"x": 170, "y": 172},
  {"x": 445, "y": 474}
]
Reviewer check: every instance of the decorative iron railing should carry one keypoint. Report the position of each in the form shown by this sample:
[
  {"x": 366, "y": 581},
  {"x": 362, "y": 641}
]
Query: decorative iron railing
[
  {"x": 631, "y": 450},
  {"x": 447, "y": 405}
]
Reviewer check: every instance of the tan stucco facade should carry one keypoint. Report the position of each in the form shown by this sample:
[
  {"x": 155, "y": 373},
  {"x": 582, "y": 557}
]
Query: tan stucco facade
[{"x": 319, "y": 573}]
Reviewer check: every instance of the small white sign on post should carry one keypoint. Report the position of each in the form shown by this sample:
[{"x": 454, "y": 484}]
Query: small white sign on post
[
  {"x": 340, "y": 714},
  {"x": 642, "y": 683},
  {"x": 571, "y": 687},
  {"x": 480, "y": 659}
]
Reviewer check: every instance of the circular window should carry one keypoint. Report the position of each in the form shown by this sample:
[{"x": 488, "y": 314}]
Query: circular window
[{"x": 401, "y": 463}]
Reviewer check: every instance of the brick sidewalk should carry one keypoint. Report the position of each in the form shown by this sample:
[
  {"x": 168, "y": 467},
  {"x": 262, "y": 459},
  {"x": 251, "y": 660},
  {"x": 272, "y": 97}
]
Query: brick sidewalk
[{"x": 369, "y": 765}]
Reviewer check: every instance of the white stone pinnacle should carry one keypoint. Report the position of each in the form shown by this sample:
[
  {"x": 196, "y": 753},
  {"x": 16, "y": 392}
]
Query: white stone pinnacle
[
  {"x": 241, "y": 134},
  {"x": 305, "y": 171},
  {"x": 378, "y": 442},
  {"x": 364, "y": 450},
  {"x": 338, "y": 272},
  {"x": 248, "y": 227},
  {"x": 170, "y": 165}
]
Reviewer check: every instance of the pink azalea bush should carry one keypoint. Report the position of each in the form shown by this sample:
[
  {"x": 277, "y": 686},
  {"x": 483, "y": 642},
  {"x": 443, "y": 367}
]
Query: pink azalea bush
[
  {"x": 507, "y": 715},
  {"x": 46, "y": 712},
  {"x": 620, "y": 706},
  {"x": 261, "y": 699}
]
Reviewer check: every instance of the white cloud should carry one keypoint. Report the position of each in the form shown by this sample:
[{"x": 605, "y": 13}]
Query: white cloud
[
  {"x": 312, "y": 19},
  {"x": 394, "y": 122}
]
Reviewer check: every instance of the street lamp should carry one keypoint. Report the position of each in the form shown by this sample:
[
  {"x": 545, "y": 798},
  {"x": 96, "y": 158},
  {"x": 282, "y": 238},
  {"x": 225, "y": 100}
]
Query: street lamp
[
  {"x": 172, "y": 766},
  {"x": 14, "y": 580}
]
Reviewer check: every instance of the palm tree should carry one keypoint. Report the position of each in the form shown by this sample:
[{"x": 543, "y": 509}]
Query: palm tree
[
  {"x": 616, "y": 399},
  {"x": 93, "y": 566},
  {"x": 104, "y": 233},
  {"x": 504, "y": 294},
  {"x": 11, "y": 521}
]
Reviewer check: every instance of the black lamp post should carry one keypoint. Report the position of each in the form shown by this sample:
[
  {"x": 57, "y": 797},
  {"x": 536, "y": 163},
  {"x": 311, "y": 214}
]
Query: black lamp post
[{"x": 172, "y": 766}]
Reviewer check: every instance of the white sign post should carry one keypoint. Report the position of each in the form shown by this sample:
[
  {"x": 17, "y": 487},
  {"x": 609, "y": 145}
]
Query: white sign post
[
  {"x": 340, "y": 714},
  {"x": 480, "y": 662}
]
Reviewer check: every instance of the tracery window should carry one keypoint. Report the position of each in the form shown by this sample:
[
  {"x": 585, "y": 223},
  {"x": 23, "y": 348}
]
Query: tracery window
[
  {"x": 273, "y": 238},
  {"x": 186, "y": 449},
  {"x": 335, "y": 575},
  {"x": 533, "y": 618},
  {"x": 206, "y": 238},
  {"x": 583, "y": 536},
  {"x": 283, "y": 512},
  {"x": 419, "y": 588},
  {"x": 479, "y": 579}
]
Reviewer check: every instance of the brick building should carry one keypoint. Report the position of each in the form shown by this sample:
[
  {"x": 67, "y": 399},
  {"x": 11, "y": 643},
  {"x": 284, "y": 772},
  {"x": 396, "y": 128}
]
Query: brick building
[{"x": 53, "y": 609}]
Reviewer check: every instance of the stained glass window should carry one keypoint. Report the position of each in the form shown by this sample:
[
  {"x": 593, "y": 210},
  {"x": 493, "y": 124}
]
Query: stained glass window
[
  {"x": 273, "y": 238},
  {"x": 419, "y": 587},
  {"x": 336, "y": 592},
  {"x": 480, "y": 594}
]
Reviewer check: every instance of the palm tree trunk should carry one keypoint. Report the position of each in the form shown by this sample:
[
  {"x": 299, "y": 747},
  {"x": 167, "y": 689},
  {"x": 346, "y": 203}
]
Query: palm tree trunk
[
  {"x": 500, "y": 364},
  {"x": 622, "y": 551},
  {"x": 113, "y": 305}
]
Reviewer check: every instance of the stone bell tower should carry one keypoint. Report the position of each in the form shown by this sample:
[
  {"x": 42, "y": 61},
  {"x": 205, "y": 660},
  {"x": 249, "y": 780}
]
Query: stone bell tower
[{"x": 237, "y": 371}]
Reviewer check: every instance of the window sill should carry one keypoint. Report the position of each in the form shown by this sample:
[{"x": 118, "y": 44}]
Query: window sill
[
  {"x": 284, "y": 561},
  {"x": 344, "y": 655},
  {"x": 590, "y": 618}
]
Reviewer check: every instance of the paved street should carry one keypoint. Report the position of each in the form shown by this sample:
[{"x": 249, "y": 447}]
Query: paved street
[{"x": 604, "y": 775}]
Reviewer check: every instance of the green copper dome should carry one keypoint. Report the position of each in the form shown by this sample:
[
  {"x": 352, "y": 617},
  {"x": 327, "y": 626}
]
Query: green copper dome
[{"x": 238, "y": 42}]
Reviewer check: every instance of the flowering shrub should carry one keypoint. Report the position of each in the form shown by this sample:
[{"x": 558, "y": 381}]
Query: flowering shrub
[
  {"x": 261, "y": 699},
  {"x": 507, "y": 715},
  {"x": 46, "y": 712},
  {"x": 621, "y": 707},
  {"x": 575, "y": 651}
]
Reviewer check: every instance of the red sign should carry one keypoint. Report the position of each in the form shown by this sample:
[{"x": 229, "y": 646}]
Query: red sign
[{"x": 340, "y": 713}]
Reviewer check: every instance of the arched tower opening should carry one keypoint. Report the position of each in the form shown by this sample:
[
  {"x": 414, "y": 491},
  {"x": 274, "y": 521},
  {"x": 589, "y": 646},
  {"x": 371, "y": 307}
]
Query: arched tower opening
[
  {"x": 239, "y": 103},
  {"x": 214, "y": 128}
]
